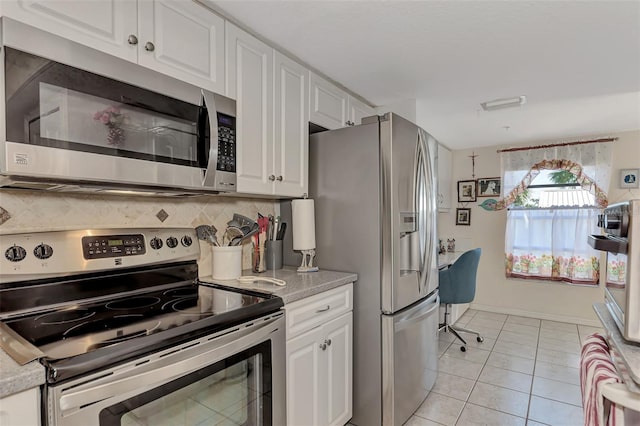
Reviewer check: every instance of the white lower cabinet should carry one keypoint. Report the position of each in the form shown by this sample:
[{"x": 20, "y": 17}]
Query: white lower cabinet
[
  {"x": 21, "y": 409},
  {"x": 320, "y": 360}
]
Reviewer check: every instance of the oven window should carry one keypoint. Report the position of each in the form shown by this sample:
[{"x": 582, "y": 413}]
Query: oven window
[
  {"x": 236, "y": 391},
  {"x": 55, "y": 105}
]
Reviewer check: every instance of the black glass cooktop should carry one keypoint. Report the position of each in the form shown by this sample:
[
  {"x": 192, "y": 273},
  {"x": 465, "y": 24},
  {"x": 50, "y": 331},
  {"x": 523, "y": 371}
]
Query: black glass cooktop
[{"x": 84, "y": 327}]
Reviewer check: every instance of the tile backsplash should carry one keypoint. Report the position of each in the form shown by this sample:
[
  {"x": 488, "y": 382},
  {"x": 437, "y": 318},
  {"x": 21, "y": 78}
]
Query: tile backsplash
[{"x": 31, "y": 211}]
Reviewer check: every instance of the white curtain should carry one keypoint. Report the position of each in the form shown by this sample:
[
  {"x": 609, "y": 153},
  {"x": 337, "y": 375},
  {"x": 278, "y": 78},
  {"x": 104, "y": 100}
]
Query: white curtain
[
  {"x": 590, "y": 162},
  {"x": 551, "y": 244}
]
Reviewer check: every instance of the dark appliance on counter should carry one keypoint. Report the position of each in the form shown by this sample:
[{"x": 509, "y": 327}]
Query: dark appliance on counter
[
  {"x": 127, "y": 334},
  {"x": 81, "y": 120},
  {"x": 621, "y": 241}
]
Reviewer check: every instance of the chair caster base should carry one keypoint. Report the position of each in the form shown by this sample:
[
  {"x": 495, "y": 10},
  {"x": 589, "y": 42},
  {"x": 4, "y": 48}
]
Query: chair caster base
[
  {"x": 463, "y": 348},
  {"x": 480, "y": 339}
]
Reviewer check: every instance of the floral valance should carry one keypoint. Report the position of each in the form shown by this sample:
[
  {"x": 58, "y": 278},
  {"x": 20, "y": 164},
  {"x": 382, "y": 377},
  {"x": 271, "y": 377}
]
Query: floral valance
[{"x": 589, "y": 162}]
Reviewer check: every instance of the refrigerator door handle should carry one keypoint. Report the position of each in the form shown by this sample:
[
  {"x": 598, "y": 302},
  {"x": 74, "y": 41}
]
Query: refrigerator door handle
[
  {"x": 413, "y": 319},
  {"x": 423, "y": 207}
]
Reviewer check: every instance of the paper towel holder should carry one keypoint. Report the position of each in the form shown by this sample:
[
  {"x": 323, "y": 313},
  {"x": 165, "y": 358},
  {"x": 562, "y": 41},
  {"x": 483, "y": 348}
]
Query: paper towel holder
[{"x": 304, "y": 241}]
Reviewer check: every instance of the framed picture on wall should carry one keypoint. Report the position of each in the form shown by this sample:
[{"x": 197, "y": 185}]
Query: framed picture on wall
[
  {"x": 629, "y": 178},
  {"x": 489, "y": 187},
  {"x": 466, "y": 191},
  {"x": 463, "y": 217}
]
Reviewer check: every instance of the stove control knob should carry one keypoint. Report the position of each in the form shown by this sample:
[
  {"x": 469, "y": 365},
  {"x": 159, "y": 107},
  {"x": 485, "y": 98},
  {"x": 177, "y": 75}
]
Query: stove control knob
[
  {"x": 186, "y": 241},
  {"x": 156, "y": 243},
  {"x": 172, "y": 242},
  {"x": 15, "y": 253},
  {"x": 43, "y": 251}
]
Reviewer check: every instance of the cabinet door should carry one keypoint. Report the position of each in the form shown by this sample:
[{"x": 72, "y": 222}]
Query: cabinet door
[
  {"x": 358, "y": 110},
  {"x": 104, "y": 25},
  {"x": 328, "y": 104},
  {"x": 250, "y": 83},
  {"x": 338, "y": 336},
  {"x": 291, "y": 141},
  {"x": 444, "y": 178},
  {"x": 306, "y": 379},
  {"x": 184, "y": 40},
  {"x": 22, "y": 408}
]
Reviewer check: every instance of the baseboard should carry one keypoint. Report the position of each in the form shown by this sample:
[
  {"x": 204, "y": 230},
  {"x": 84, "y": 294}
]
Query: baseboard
[{"x": 539, "y": 315}]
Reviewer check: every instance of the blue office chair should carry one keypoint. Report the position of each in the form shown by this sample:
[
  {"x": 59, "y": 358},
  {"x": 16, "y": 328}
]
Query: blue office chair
[{"x": 458, "y": 285}]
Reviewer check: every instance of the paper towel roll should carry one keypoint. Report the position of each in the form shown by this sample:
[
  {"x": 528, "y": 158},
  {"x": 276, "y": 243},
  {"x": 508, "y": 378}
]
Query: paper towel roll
[{"x": 304, "y": 224}]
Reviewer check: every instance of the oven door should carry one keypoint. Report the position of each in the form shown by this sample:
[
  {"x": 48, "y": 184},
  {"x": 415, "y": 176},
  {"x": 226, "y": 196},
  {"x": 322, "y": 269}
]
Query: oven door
[{"x": 235, "y": 377}]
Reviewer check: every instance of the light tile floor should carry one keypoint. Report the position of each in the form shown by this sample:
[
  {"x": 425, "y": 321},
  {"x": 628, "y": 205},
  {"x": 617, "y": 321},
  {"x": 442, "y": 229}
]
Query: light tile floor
[{"x": 526, "y": 372}]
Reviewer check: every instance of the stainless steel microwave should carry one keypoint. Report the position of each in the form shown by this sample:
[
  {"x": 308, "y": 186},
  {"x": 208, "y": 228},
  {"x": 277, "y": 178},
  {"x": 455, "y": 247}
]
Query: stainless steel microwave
[{"x": 77, "y": 119}]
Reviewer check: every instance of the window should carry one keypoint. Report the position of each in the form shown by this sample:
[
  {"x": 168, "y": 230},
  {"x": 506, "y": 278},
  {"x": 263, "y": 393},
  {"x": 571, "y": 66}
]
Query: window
[
  {"x": 547, "y": 228},
  {"x": 553, "y": 194}
]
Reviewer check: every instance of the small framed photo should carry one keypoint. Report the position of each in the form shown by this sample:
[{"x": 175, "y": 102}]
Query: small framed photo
[
  {"x": 629, "y": 178},
  {"x": 463, "y": 217},
  {"x": 466, "y": 191},
  {"x": 489, "y": 187}
]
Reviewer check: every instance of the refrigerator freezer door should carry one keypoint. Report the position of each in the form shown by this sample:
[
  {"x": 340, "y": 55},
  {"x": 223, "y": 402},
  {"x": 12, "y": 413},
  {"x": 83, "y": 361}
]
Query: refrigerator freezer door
[{"x": 409, "y": 359}]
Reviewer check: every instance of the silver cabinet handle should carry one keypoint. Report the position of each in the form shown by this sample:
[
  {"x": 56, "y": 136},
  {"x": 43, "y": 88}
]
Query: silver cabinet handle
[
  {"x": 272, "y": 178},
  {"x": 149, "y": 47},
  {"x": 328, "y": 342},
  {"x": 133, "y": 40},
  {"x": 279, "y": 178},
  {"x": 323, "y": 346},
  {"x": 323, "y": 309}
]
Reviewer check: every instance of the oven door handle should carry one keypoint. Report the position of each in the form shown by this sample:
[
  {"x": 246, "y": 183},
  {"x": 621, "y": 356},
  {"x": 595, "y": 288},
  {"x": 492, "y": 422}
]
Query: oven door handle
[{"x": 154, "y": 375}]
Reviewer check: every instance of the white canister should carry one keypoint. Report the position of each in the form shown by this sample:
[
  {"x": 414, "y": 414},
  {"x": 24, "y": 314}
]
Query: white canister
[{"x": 227, "y": 262}]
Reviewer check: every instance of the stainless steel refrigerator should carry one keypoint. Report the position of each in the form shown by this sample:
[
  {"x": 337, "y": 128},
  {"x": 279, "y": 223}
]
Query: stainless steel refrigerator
[{"x": 375, "y": 197}]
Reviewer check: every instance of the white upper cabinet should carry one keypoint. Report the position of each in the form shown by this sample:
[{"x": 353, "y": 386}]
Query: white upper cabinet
[
  {"x": 271, "y": 93},
  {"x": 291, "y": 126},
  {"x": 250, "y": 83},
  {"x": 104, "y": 25},
  {"x": 182, "y": 39},
  {"x": 444, "y": 178},
  {"x": 358, "y": 110},
  {"x": 328, "y": 104},
  {"x": 334, "y": 108},
  {"x": 179, "y": 38}
]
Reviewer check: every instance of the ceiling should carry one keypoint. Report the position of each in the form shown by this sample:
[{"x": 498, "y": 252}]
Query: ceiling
[{"x": 577, "y": 62}]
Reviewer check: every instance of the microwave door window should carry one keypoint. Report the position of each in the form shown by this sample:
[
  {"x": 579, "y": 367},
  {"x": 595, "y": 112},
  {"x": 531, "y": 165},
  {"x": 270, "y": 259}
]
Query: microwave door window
[
  {"x": 617, "y": 277},
  {"x": 51, "y": 104}
]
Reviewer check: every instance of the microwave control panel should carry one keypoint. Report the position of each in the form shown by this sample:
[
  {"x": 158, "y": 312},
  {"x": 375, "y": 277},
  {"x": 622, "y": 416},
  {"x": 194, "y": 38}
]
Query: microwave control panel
[{"x": 226, "y": 143}]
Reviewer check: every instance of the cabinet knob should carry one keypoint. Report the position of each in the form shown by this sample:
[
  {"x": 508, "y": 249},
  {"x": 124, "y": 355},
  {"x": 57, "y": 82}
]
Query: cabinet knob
[
  {"x": 323, "y": 346},
  {"x": 324, "y": 309},
  {"x": 279, "y": 178},
  {"x": 272, "y": 178},
  {"x": 328, "y": 342},
  {"x": 133, "y": 40},
  {"x": 149, "y": 47}
]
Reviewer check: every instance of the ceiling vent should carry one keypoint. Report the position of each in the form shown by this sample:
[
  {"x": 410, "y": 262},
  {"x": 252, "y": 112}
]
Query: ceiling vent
[{"x": 503, "y": 103}]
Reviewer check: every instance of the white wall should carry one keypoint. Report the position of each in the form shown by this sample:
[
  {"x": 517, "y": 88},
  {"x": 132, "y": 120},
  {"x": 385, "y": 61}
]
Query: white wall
[
  {"x": 542, "y": 299},
  {"x": 33, "y": 211},
  {"x": 405, "y": 109}
]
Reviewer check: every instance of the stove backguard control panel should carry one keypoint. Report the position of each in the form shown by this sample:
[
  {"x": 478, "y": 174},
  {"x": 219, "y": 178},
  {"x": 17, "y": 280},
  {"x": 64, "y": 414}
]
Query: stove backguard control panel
[
  {"x": 35, "y": 255},
  {"x": 96, "y": 247}
]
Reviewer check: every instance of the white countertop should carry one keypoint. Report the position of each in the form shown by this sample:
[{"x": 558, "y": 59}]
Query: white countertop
[
  {"x": 299, "y": 284},
  {"x": 16, "y": 378}
]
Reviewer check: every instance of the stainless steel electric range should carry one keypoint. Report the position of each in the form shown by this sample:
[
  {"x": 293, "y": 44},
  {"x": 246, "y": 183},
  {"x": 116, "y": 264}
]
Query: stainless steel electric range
[{"x": 128, "y": 335}]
